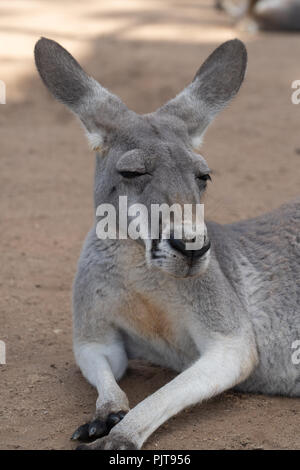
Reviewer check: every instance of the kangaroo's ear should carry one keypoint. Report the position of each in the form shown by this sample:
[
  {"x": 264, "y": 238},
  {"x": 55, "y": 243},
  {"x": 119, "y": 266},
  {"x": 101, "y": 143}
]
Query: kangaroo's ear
[
  {"x": 215, "y": 84},
  {"x": 96, "y": 107}
]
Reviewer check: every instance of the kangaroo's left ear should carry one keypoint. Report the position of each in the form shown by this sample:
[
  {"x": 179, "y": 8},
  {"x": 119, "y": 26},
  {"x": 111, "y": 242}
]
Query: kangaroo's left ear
[
  {"x": 215, "y": 84},
  {"x": 97, "y": 108}
]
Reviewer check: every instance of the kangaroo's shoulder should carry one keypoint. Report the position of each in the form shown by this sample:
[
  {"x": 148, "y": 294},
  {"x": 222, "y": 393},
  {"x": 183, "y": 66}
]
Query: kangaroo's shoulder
[
  {"x": 285, "y": 219},
  {"x": 271, "y": 238}
]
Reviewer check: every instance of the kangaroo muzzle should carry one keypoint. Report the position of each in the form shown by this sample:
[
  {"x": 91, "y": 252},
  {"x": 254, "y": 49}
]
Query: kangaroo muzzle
[{"x": 181, "y": 246}]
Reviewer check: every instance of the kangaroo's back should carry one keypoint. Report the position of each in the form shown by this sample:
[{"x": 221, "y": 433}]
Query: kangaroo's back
[{"x": 271, "y": 242}]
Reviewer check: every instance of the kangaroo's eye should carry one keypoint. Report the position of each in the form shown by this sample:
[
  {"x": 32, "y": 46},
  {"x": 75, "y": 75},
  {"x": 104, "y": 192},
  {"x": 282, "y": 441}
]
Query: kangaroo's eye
[
  {"x": 130, "y": 174},
  {"x": 204, "y": 177}
]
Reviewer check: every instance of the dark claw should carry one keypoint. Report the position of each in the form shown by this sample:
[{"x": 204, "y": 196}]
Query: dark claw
[
  {"x": 114, "y": 418},
  {"x": 81, "y": 433},
  {"x": 122, "y": 414},
  {"x": 97, "y": 429}
]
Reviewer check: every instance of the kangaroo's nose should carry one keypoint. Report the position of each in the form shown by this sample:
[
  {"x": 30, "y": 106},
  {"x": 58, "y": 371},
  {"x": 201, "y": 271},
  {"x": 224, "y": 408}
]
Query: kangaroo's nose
[{"x": 180, "y": 245}]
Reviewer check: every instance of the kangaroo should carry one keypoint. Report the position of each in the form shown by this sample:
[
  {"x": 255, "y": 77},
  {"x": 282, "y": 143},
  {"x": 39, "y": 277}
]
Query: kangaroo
[
  {"x": 225, "y": 316},
  {"x": 279, "y": 15}
]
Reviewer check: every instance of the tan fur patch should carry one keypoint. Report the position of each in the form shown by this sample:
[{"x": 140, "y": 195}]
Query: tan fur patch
[{"x": 147, "y": 319}]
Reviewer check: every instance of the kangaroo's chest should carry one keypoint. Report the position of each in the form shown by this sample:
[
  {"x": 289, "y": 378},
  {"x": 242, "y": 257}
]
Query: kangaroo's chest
[
  {"x": 147, "y": 318},
  {"x": 156, "y": 316},
  {"x": 156, "y": 330}
]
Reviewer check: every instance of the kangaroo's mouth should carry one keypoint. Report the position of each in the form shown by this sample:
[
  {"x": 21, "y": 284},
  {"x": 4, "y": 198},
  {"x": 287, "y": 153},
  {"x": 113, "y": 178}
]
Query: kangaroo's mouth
[
  {"x": 171, "y": 257},
  {"x": 204, "y": 250},
  {"x": 190, "y": 255}
]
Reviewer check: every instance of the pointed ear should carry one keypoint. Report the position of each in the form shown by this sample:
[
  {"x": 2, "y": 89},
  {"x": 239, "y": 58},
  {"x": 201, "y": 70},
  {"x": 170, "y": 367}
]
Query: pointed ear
[
  {"x": 215, "y": 84},
  {"x": 96, "y": 107}
]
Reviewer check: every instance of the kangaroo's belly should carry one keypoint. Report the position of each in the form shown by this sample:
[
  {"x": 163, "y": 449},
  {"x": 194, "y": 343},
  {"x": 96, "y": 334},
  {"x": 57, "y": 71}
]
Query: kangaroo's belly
[{"x": 159, "y": 352}]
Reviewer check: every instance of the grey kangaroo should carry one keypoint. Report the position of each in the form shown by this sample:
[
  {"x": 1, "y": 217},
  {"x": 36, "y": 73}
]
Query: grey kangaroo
[
  {"x": 226, "y": 315},
  {"x": 252, "y": 15}
]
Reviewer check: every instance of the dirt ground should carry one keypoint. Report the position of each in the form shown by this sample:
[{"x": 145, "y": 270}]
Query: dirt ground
[{"x": 145, "y": 51}]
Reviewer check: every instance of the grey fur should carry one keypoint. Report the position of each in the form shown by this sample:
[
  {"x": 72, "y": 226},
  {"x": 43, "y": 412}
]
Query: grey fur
[
  {"x": 216, "y": 82},
  {"x": 83, "y": 95},
  {"x": 226, "y": 319}
]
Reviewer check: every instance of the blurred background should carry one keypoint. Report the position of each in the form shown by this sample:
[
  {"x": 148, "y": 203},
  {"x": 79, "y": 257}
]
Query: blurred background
[{"x": 145, "y": 51}]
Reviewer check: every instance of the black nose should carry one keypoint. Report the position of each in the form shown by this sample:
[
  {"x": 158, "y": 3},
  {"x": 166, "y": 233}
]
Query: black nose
[{"x": 180, "y": 245}]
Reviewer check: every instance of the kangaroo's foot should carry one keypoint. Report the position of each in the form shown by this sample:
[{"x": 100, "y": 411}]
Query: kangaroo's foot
[
  {"x": 113, "y": 441},
  {"x": 97, "y": 427}
]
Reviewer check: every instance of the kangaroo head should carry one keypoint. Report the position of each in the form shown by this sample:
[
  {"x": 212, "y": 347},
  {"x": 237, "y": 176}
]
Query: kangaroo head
[{"x": 150, "y": 158}]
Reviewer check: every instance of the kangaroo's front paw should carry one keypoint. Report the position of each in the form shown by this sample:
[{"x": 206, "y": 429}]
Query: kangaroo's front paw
[
  {"x": 97, "y": 427},
  {"x": 111, "y": 442}
]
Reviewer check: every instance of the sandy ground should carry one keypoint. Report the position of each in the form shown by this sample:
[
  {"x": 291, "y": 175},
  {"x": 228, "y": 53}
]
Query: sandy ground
[{"x": 145, "y": 51}]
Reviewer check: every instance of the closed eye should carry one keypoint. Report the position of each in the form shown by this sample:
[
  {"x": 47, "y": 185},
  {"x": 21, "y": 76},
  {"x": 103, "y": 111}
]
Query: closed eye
[{"x": 131, "y": 174}]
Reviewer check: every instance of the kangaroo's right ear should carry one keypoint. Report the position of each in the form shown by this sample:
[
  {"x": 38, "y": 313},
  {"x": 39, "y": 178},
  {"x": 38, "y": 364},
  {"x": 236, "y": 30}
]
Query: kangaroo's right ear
[
  {"x": 97, "y": 108},
  {"x": 215, "y": 84}
]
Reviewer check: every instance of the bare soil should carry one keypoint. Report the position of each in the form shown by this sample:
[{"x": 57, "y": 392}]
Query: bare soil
[{"x": 145, "y": 51}]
